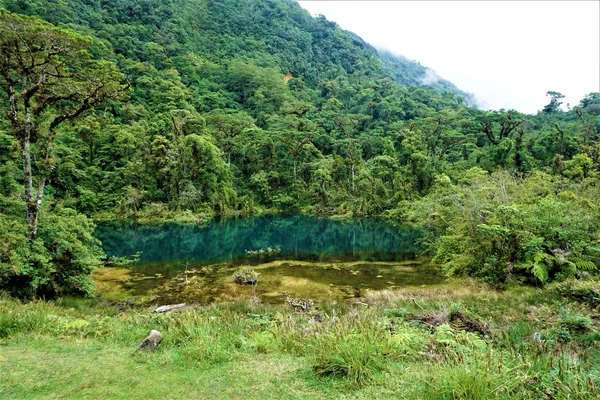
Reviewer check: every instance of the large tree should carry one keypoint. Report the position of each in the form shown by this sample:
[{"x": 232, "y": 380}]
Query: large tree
[{"x": 48, "y": 78}]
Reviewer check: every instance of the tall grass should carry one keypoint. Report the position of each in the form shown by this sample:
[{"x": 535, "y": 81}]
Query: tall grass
[{"x": 548, "y": 351}]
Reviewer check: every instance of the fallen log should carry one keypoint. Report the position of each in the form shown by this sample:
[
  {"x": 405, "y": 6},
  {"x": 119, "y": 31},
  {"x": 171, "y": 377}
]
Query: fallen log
[
  {"x": 456, "y": 320},
  {"x": 169, "y": 307}
]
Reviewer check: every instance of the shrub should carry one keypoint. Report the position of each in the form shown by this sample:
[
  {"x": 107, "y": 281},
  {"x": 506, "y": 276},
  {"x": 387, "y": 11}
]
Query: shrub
[
  {"x": 245, "y": 276},
  {"x": 58, "y": 263},
  {"x": 500, "y": 228},
  {"x": 264, "y": 253},
  {"x": 587, "y": 292}
]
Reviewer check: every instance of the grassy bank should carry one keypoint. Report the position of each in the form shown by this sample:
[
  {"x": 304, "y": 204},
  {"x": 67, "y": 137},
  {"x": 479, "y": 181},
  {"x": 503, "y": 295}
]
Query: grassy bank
[{"x": 449, "y": 342}]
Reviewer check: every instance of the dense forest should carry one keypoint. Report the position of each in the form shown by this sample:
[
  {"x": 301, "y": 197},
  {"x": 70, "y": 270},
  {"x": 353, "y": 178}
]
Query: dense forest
[{"x": 191, "y": 109}]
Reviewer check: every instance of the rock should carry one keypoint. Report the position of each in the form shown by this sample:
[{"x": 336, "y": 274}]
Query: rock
[
  {"x": 316, "y": 318},
  {"x": 166, "y": 308},
  {"x": 245, "y": 280},
  {"x": 360, "y": 304},
  {"x": 151, "y": 341}
]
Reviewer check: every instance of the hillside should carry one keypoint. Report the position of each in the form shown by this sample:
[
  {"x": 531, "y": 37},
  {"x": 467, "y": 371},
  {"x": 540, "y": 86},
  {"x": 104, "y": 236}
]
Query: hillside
[
  {"x": 150, "y": 124},
  {"x": 269, "y": 33},
  {"x": 223, "y": 62}
]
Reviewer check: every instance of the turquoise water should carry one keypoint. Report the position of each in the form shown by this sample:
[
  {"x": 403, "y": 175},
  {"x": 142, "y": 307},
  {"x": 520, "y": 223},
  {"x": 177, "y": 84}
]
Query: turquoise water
[
  {"x": 309, "y": 256},
  {"x": 297, "y": 237}
]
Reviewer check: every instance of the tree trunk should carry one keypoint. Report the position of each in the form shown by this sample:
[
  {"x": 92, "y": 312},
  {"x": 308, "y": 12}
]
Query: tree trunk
[
  {"x": 295, "y": 171},
  {"x": 352, "y": 177},
  {"x": 31, "y": 203},
  {"x": 91, "y": 146},
  {"x": 518, "y": 148}
]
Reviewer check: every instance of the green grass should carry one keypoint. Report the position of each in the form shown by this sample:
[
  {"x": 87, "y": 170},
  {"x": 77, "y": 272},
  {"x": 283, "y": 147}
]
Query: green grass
[
  {"x": 76, "y": 348},
  {"x": 47, "y": 368}
]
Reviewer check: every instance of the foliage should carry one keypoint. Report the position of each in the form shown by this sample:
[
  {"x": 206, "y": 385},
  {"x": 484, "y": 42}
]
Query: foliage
[
  {"x": 49, "y": 78},
  {"x": 501, "y": 228},
  {"x": 281, "y": 111},
  {"x": 264, "y": 253},
  {"x": 543, "y": 347},
  {"x": 586, "y": 292},
  {"x": 57, "y": 263},
  {"x": 354, "y": 359},
  {"x": 245, "y": 275}
]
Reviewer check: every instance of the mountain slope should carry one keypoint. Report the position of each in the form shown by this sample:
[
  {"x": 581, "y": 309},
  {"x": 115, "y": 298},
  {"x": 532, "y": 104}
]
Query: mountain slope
[
  {"x": 277, "y": 33},
  {"x": 245, "y": 106}
]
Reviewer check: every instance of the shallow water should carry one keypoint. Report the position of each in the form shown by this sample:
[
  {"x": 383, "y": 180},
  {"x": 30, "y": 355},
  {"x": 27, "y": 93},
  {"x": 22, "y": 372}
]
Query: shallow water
[{"x": 309, "y": 257}]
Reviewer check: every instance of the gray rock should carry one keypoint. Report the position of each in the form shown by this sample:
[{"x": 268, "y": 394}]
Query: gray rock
[{"x": 151, "y": 341}]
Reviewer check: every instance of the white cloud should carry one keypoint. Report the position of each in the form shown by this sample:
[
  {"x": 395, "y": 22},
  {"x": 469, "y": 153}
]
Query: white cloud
[
  {"x": 430, "y": 77},
  {"x": 508, "y": 53}
]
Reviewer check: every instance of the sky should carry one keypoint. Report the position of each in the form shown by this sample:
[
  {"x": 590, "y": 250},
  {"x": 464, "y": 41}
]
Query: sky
[{"x": 507, "y": 53}]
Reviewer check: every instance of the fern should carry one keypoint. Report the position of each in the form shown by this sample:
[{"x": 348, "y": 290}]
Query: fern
[
  {"x": 539, "y": 268},
  {"x": 593, "y": 249},
  {"x": 540, "y": 271},
  {"x": 585, "y": 265}
]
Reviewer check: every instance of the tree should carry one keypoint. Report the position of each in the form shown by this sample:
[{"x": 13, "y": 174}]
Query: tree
[
  {"x": 351, "y": 150},
  {"x": 49, "y": 78},
  {"x": 228, "y": 127},
  {"x": 504, "y": 130},
  {"x": 555, "y": 102},
  {"x": 298, "y": 145}
]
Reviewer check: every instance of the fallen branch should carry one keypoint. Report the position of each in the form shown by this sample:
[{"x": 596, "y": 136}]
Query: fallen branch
[{"x": 166, "y": 308}]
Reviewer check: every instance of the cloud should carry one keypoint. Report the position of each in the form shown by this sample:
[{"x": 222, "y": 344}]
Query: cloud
[
  {"x": 430, "y": 77},
  {"x": 510, "y": 61}
]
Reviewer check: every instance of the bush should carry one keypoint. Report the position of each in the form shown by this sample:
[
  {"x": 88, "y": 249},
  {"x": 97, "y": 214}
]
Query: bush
[
  {"x": 245, "y": 276},
  {"x": 500, "y": 228},
  {"x": 58, "y": 263},
  {"x": 355, "y": 359}
]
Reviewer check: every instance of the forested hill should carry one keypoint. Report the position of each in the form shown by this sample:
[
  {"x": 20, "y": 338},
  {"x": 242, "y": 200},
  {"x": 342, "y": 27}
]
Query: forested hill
[
  {"x": 276, "y": 33},
  {"x": 271, "y": 95}
]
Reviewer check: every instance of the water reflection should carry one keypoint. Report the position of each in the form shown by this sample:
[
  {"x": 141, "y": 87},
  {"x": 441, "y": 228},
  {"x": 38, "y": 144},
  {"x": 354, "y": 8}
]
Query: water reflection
[{"x": 298, "y": 237}]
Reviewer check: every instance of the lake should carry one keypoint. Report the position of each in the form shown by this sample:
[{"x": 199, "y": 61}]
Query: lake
[{"x": 305, "y": 256}]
